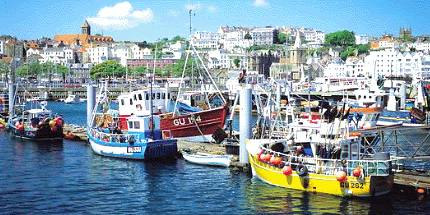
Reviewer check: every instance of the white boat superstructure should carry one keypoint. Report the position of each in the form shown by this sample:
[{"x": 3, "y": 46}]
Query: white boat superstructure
[{"x": 72, "y": 99}]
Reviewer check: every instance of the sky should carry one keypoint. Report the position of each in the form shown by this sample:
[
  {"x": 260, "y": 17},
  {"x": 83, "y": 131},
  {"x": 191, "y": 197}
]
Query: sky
[{"x": 151, "y": 20}]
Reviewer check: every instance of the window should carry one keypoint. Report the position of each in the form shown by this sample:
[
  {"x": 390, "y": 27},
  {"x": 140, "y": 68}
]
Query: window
[
  {"x": 134, "y": 96},
  {"x": 140, "y": 96},
  {"x": 122, "y": 102},
  {"x": 146, "y": 96},
  {"x": 131, "y": 101},
  {"x": 130, "y": 124},
  {"x": 158, "y": 95},
  {"x": 136, "y": 125}
]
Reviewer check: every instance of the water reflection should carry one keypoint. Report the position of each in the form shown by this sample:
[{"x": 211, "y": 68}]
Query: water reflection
[{"x": 265, "y": 198}]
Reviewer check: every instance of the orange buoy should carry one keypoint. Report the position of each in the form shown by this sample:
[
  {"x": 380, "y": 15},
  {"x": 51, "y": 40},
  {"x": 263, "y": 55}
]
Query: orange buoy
[
  {"x": 341, "y": 176},
  {"x": 357, "y": 172},
  {"x": 267, "y": 157},
  {"x": 275, "y": 160},
  {"x": 287, "y": 170},
  {"x": 421, "y": 191},
  {"x": 354, "y": 134}
]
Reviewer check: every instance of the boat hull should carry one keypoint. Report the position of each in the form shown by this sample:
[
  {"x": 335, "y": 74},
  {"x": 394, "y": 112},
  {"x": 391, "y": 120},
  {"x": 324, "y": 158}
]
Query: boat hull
[
  {"x": 210, "y": 160},
  {"x": 40, "y": 135},
  {"x": 138, "y": 150},
  {"x": 200, "y": 125},
  {"x": 320, "y": 183}
]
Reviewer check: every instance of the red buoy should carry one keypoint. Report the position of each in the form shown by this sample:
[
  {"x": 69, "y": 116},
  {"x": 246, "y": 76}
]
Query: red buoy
[
  {"x": 20, "y": 127},
  {"x": 341, "y": 176},
  {"x": 259, "y": 155},
  {"x": 357, "y": 172},
  {"x": 54, "y": 128},
  {"x": 59, "y": 121},
  {"x": 299, "y": 150},
  {"x": 287, "y": 170}
]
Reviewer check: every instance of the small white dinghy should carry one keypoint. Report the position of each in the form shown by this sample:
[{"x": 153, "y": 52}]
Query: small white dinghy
[{"x": 209, "y": 159}]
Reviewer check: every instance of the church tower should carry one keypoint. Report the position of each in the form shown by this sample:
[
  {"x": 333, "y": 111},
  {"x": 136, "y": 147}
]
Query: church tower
[
  {"x": 298, "y": 57},
  {"x": 86, "y": 28}
]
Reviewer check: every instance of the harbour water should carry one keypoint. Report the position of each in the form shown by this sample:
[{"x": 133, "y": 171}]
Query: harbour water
[{"x": 69, "y": 178}]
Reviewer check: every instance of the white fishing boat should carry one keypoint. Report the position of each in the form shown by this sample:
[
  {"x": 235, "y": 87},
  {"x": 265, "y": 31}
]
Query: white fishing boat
[
  {"x": 72, "y": 99},
  {"x": 208, "y": 159}
]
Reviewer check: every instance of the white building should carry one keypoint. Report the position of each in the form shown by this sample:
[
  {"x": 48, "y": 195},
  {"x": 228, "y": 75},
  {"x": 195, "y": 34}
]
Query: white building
[
  {"x": 99, "y": 54},
  {"x": 264, "y": 36},
  {"x": 32, "y": 51},
  {"x": 58, "y": 55},
  {"x": 140, "y": 53},
  {"x": 420, "y": 47},
  {"x": 222, "y": 60},
  {"x": 121, "y": 52},
  {"x": 381, "y": 63},
  {"x": 205, "y": 39},
  {"x": 394, "y": 63},
  {"x": 237, "y": 39},
  {"x": 335, "y": 68},
  {"x": 354, "y": 67},
  {"x": 361, "y": 39}
]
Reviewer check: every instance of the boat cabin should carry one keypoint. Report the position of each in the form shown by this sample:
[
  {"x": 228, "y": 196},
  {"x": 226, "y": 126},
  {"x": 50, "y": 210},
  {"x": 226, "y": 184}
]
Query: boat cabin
[
  {"x": 139, "y": 102},
  {"x": 146, "y": 127}
]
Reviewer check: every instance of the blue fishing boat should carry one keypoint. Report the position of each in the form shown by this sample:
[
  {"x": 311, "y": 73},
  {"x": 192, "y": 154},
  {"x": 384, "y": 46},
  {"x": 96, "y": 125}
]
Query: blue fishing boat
[{"x": 141, "y": 138}]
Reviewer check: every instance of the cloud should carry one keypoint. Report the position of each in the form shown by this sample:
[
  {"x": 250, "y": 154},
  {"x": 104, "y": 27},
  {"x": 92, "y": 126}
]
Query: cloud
[
  {"x": 121, "y": 16},
  {"x": 212, "y": 9},
  {"x": 173, "y": 13},
  {"x": 260, "y": 3},
  {"x": 195, "y": 7}
]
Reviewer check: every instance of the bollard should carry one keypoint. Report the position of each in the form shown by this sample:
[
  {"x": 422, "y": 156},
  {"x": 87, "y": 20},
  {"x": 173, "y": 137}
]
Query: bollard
[
  {"x": 245, "y": 123},
  {"x": 91, "y": 101}
]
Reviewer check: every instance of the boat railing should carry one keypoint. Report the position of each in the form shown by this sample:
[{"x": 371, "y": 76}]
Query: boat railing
[
  {"x": 110, "y": 137},
  {"x": 369, "y": 167}
]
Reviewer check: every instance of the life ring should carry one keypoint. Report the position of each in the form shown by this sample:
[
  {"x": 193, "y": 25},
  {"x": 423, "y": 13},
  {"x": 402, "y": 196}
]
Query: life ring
[
  {"x": 301, "y": 170},
  {"x": 139, "y": 107}
]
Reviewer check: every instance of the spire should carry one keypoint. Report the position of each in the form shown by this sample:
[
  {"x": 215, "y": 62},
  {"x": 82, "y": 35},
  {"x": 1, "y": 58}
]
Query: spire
[{"x": 298, "y": 43}]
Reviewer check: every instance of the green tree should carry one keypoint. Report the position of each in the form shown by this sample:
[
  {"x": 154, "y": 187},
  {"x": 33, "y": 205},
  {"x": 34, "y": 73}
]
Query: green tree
[
  {"x": 62, "y": 70},
  {"x": 177, "y": 38},
  {"x": 107, "y": 69},
  {"x": 5, "y": 68},
  {"x": 30, "y": 70},
  {"x": 178, "y": 68},
  {"x": 282, "y": 38},
  {"x": 236, "y": 62},
  {"x": 340, "y": 38}
]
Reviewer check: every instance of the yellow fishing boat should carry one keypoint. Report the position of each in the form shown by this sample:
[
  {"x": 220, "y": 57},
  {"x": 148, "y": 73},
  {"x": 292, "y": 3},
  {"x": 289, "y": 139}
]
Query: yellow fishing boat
[
  {"x": 332, "y": 176},
  {"x": 324, "y": 157}
]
